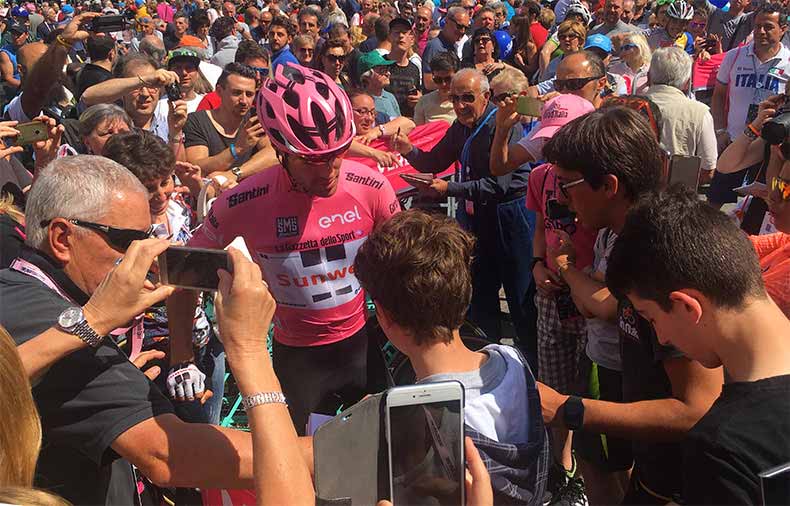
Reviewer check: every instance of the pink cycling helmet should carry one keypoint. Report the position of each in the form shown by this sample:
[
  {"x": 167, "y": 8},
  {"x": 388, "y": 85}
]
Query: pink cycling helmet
[{"x": 304, "y": 112}]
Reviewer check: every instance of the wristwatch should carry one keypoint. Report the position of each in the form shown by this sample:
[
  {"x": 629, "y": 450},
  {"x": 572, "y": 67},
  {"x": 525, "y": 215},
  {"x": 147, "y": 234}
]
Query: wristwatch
[
  {"x": 573, "y": 413},
  {"x": 72, "y": 321},
  {"x": 236, "y": 172}
]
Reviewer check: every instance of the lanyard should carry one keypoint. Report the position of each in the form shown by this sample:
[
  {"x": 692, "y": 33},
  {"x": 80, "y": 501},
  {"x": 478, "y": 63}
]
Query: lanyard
[
  {"x": 27, "y": 268},
  {"x": 468, "y": 144}
]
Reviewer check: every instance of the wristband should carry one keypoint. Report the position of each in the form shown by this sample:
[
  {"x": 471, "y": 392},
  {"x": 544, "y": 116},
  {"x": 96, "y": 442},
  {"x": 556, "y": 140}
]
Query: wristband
[
  {"x": 535, "y": 261},
  {"x": 233, "y": 152},
  {"x": 751, "y": 132},
  {"x": 250, "y": 401}
]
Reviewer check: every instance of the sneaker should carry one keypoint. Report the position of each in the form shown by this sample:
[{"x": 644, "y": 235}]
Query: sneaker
[{"x": 564, "y": 489}]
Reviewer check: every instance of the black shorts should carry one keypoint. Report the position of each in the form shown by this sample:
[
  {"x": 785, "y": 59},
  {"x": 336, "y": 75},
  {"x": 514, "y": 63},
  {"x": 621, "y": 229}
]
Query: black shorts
[{"x": 608, "y": 453}]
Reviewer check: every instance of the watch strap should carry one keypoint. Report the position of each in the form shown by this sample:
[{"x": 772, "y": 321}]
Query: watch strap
[
  {"x": 573, "y": 413},
  {"x": 250, "y": 401},
  {"x": 236, "y": 172},
  {"x": 84, "y": 331}
]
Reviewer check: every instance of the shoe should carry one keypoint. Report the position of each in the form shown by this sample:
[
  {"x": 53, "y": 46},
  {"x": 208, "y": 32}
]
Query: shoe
[{"x": 564, "y": 489}]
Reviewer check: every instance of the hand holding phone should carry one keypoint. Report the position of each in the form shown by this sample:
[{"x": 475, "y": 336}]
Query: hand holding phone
[{"x": 192, "y": 268}]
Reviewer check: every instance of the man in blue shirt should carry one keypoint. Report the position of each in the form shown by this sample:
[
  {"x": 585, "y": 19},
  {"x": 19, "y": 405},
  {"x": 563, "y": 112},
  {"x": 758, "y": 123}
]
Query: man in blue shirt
[
  {"x": 455, "y": 27},
  {"x": 281, "y": 33}
]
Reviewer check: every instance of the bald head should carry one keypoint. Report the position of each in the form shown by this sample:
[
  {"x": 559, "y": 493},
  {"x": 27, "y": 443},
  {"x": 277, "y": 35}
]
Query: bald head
[{"x": 28, "y": 55}]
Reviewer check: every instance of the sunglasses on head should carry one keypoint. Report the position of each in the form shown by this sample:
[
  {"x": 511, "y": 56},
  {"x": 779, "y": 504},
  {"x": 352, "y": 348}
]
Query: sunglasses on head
[
  {"x": 783, "y": 187},
  {"x": 118, "y": 238},
  {"x": 573, "y": 84},
  {"x": 466, "y": 98}
]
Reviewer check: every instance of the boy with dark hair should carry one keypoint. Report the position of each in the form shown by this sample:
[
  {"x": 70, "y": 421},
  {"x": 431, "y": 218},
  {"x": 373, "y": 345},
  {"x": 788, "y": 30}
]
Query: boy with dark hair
[
  {"x": 416, "y": 268},
  {"x": 102, "y": 52},
  {"x": 704, "y": 294},
  {"x": 605, "y": 161},
  {"x": 281, "y": 34}
]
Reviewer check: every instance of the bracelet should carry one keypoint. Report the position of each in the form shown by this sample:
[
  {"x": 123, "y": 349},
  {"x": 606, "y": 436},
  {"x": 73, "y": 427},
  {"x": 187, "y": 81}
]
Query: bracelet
[
  {"x": 60, "y": 40},
  {"x": 751, "y": 132},
  {"x": 176, "y": 140},
  {"x": 233, "y": 152},
  {"x": 250, "y": 401}
]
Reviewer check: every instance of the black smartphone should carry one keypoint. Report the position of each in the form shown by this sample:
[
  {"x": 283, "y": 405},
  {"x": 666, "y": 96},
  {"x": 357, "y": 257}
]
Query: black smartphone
[
  {"x": 192, "y": 268},
  {"x": 685, "y": 170},
  {"x": 566, "y": 308},
  {"x": 107, "y": 24}
]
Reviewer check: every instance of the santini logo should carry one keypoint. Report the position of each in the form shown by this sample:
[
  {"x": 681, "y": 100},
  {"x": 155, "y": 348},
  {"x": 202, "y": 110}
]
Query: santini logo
[
  {"x": 241, "y": 197},
  {"x": 343, "y": 218}
]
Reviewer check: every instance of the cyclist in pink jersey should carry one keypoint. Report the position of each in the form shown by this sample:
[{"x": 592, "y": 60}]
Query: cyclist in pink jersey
[{"x": 303, "y": 222}]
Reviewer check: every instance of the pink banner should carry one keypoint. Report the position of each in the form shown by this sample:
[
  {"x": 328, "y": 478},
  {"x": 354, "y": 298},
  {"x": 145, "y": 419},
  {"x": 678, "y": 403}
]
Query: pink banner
[{"x": 423, "y": 137}]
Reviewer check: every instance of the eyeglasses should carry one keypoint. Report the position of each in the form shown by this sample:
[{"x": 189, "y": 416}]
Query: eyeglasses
[
  {"x": 341, "y": 59},
  {"x": 782, "y": 186},
  {"x": 365, "y": 112},
  {"x": 564, "y": 186},
  {"x": 262, "y": 71},
  {"x": 484, "y": 40},
  {"x": 568, "y": 36},
  {"x": 573, "y": 84},
  {"x": 627, "y": 47},
  {"x": 502, "y": 96},
  {"x": 466, "y": 98},
  {"x": 306, "y": 50},
  {"x": 118, "y": 238},
  {"x": 327, "y": 159},
  {"x": 382, "y": 70},
  {"x": 441, "y": 81}
]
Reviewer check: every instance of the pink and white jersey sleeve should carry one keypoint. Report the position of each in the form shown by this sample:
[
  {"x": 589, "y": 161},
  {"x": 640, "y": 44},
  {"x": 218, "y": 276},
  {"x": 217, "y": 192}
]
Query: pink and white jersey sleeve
[{"x": 305, "y": 246}]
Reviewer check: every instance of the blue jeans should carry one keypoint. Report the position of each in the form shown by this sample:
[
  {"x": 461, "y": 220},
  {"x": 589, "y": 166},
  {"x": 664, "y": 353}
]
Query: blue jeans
[{"x": 502, "y": 258}]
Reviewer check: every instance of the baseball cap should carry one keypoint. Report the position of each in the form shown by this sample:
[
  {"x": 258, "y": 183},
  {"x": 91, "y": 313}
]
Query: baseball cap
[
  {"x": 67, "y": 9},
  {"x": 17, "y": 28},
  {"x": 191, "y": 41},
  {"x": 183, "y": 52},
  {"x": 369, "y": 60},
  {"x": 560, "y": 110},
  {"x": 400, "y": 22},
  {"x": 600, "y": 41},
  {"x": 19, "y": 12}
]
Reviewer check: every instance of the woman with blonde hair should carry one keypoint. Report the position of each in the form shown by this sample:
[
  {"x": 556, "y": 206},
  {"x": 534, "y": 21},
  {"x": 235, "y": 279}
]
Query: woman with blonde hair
[
  {"x": 571, "y": 35},
  {"x": 634, "y": 63}
]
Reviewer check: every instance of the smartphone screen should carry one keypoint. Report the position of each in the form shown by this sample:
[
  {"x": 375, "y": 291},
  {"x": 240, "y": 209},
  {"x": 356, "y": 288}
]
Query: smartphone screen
[
  {"x": 426, "y": 453},
  {"x": 194, "y": 268},
  {"x": 685, "y": 170}
]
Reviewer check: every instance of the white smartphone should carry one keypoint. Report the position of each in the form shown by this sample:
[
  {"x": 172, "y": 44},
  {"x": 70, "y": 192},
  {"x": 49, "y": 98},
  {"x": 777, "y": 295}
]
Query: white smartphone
[
  {"x": 192, "y": 268},
  {"x": 425, "y": 439}
]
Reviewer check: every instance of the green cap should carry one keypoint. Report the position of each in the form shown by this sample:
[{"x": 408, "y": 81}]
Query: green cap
[
  {"x": 183, "y": 52},
  {"x": 369, "y": 60}
]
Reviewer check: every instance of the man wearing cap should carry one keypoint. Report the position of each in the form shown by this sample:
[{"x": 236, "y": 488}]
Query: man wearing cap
[
  {"x": 8, "y": 66},
  {"x": 65, "y": 16},
  {"x": 374, "y": 75},
  {"x": 405, "y": 76},
  {"x": 601, "y": 46},
  {"x": 493, "y": 208},
  {"x": 101, "y": 50},
  {"x": 185, "y": 61},
  {"x": 456, "y": 25}
]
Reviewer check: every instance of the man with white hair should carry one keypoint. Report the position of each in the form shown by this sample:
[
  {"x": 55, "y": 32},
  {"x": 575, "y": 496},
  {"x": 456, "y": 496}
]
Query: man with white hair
[
  {"x": 686, "y": 125},
  {"x": 493, "y": 208},
  {"x": 88, "y": 220}
]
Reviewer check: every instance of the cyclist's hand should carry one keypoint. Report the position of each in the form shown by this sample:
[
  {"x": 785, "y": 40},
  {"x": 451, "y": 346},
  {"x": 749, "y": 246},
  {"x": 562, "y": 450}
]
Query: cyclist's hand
[
  {"x": 244, "y": 310},
  {"x": 185, "y": 382},
  {"x": 145, "y": 357},
  {"x": 400, "y": 143},
  {"x": 125, "y": 292},
  {"x": 546, "y": 281}
]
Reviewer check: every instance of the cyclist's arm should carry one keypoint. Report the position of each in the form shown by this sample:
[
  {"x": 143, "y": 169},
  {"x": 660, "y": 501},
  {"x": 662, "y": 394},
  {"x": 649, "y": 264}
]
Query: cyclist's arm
[{"x": 593, "y": 296}]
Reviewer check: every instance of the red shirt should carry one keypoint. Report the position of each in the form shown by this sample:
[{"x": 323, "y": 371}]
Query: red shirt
[
  {"x": 539, "y": 34},
  {"x": 210, "y": 102}
]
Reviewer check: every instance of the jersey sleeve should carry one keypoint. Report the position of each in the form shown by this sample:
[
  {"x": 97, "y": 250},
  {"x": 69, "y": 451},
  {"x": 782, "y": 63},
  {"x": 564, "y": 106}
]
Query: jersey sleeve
[
  {"x": 210, "y": 234},
  {"x": 723, "y": 76},
  {"x": 386, "y": 203}
]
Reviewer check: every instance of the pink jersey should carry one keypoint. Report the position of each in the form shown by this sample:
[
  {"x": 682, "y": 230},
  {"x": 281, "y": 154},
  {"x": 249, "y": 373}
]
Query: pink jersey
[
  {"x": 542, "y": 188},
  {"x": 305, "y": 246}
]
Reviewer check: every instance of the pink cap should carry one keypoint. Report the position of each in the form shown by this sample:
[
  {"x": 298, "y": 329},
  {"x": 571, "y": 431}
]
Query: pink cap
[{"x": 561, "y": 110}]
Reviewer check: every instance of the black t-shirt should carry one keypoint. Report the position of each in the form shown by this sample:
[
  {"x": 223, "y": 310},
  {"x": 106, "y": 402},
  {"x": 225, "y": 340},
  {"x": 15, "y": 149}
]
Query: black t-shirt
[
  {"x": 745, "y": 432},
  {"x": 86, "y": 400},
  {"x": 403, "y": 79},
  {"x": 644, "y": 378},
  {"x": 200, "y": 131},
  {"x": 11, "y": 240},
  {"x": 90, "y": 75}
]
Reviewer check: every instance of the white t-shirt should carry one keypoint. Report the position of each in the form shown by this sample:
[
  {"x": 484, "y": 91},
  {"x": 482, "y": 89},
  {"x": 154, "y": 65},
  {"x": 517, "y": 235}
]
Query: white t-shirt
[
  {"x": 495, "y": 395},
  {"x": 750, "y": 82},
  {"x": 159, "y": 122},
  {"x": 193, "y": 104}
]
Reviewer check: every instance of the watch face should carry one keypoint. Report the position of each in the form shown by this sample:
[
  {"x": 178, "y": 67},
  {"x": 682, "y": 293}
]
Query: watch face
[{"x": 70, "y": 317}]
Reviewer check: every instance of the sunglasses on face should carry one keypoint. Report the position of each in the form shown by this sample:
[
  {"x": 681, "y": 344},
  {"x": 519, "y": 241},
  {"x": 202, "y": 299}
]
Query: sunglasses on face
[
  {"x": 697, "y": 25},
  {"x": 341, "y": 59},
  {"x": 262, "y": 71},
  {"x": 466, "y": 98},
  {"x": 783, "y": 187},
  {"x": 118, "y": 238},
  {"x": 573, "y": 84},
  {"x": 441, "y": 81},
  {"x": 382, "y": 71},
  {"x": 568, "y": 36},
  {"x": 502, "y": 96},
  {"x": 461, "y": 27}
]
